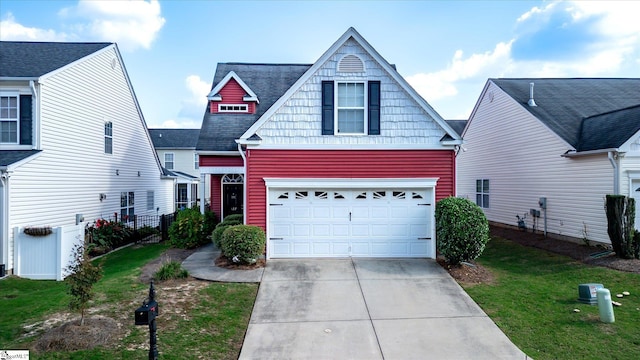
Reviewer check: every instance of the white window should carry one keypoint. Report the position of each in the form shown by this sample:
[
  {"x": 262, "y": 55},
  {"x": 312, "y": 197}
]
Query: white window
[
  {"x": 127, "y": 203},
  {"x": 233, "y": 108},
  {"x": 350, "y": 109},
  {"x": 108, "y": 137},
  {"x": 168, "y": 161},
  {"x": 150, "y": 200},
  {"x": 482, "y": 193},
  {"x": 9, "y": 117},
  {"x": 196, "y": 161}
]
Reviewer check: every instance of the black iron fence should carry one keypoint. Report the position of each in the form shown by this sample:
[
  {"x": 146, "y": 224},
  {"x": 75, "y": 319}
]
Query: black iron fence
[{"x": 112, "y": 232}]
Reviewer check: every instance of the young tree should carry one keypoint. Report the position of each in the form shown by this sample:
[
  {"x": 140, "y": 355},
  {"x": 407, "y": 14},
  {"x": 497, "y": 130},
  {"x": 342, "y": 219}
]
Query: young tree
[{"x": 83, "y": 274}]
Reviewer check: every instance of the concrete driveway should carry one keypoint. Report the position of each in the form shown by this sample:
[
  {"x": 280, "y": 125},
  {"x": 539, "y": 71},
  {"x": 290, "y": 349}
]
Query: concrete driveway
[{"x": 368, "y": 309}]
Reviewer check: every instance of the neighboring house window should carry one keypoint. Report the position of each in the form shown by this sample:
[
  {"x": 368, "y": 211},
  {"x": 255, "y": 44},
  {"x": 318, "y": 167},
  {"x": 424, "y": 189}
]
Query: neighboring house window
[
  {"x": 196, "y": 161},
  {"x": 182, "y": 196},
  {"x": 9, "y": 116},
  {"x": 168, "y": 161},
  {"x": 482, "y": 193},
  {"x": 108, "y": 137},
  {"x": 127, "y": 201},
  {"x": 233, "y": 108},
  {"x": 150, "y": 200},
  {"x": 350, "y": 108}
]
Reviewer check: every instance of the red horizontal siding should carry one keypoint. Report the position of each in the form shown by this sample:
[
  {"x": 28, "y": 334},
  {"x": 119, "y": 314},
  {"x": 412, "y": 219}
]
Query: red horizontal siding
[
  {"x": 216, "y": 194},
  {"x": 343, "y": 164},
  {"x": 208, "y": 160}
]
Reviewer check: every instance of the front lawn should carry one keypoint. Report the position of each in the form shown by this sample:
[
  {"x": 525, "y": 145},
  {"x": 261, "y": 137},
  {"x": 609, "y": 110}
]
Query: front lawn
[
  {"x": 197, "y": 319},
  {"x": 533, "y": 300}
]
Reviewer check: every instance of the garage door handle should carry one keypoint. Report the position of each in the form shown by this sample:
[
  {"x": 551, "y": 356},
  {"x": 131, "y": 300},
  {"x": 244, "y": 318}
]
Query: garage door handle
[
  {"x": 424, "y": 204},
  {"x": 424, "y": 238},
  {"x": 276, "y": 238}
]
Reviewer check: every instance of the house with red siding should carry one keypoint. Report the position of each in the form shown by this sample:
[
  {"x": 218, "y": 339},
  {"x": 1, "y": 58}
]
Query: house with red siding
[{"x": 339, "y": 158}]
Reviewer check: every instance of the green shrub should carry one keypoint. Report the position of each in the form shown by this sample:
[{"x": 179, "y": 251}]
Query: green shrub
[
  {"x": 210, "y": 221},
  {"x": 104, "y": 235},
  {"x": 171, "y": 270},
  {"x": 243, "y": 243},
  {"x": 462, "y": 230},
  {"x": 186, "y": 230},
  {"x": 234, "y": 217},
  {"x": 216, "y": 236}
]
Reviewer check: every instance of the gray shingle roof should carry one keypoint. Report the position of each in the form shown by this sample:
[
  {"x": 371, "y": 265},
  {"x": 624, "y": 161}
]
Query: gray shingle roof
[
  {"x": 34, "y": 59},
  {"x": 174, "y": 138},
  {"x": 563, "y": 104},
  {"x": 268, "y": 81},
  {"x": 609, "y": 130},
  {"x": 8, "y": 157},
  {"x": 457, "y": 125}
]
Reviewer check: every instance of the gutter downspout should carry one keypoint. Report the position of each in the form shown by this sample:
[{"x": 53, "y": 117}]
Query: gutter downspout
[
  {"x": 36, "y": 110},
  {"x": 4, "y": 219},
  {"x": 244, "y": 184},
  {"x": 613, "y": 159}
]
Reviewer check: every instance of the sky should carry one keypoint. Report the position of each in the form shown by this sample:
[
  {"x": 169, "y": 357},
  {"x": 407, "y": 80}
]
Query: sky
[{"x": 445, "y": 49}]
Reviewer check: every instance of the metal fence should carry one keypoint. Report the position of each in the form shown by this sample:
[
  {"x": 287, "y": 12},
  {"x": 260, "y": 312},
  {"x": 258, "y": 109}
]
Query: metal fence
[{"x": 143, "y": 229}]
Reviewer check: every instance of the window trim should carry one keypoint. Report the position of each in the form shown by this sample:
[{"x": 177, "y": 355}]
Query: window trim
[
  {"x": 482, "y": 193},
  {"x": 130, "y": 197},
  {"x": 228, "y": 108},
  {"x": 9, "y": 95},
  {"x": 108, "y": 125},
  {"x": 173, "y": 161},
  {"x": 364, "y": 108}
]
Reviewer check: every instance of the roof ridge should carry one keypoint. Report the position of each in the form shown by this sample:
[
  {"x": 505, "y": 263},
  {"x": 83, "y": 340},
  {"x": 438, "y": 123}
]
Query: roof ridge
[
  {"x": 611, "y": 111},
  {"x": 268, "y": 64}
]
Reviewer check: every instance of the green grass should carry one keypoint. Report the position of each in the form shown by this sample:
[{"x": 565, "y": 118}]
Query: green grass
[
  {"x": 535, "y": 293},
  {"x": 210, "y": 323}
]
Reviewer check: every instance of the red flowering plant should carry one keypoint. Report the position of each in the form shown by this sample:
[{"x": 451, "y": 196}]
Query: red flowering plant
[{"x": 103, "y": 235}]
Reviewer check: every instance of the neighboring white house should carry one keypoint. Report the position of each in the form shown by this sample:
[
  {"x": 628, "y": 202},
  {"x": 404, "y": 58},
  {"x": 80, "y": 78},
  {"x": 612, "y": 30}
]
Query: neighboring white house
[
  {"x": 569, "y": 141},
  {"x": 73, "y": 140},
  {"x": 176, "y": 149}
]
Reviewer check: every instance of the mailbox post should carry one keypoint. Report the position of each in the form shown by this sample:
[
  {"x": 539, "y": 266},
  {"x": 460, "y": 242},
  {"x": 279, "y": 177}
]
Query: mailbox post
[{"x": 146, "y": 315}]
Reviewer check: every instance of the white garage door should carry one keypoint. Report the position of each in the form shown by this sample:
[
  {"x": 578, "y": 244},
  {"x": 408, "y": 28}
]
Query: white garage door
[{"x": 347, "y": 222}]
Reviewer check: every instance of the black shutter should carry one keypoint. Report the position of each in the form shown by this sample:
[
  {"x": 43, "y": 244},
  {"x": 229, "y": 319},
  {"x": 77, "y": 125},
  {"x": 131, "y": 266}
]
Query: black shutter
[
  {"x": 327, "y": 108},
  {"x": 374, "y": 108},
  {"x": 26, "y": 120}
]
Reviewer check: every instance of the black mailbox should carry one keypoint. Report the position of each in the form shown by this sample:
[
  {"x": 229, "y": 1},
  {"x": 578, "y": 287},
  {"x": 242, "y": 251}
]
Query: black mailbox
[{"x": 146, "y": 313}]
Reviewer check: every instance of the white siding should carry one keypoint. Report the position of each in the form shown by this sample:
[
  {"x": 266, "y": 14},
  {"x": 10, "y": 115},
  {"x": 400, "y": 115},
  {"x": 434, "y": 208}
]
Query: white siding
[
  {"x": 73, "y": 169},
  {"x": 402, "y": 121},
  {"x": 522, "y": 159},
  {"x": 183, "y": 162}
]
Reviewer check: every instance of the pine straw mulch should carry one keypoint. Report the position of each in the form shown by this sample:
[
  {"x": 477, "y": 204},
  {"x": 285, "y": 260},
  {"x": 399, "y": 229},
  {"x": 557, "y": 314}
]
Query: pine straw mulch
[{"x": 96, "y": 331}]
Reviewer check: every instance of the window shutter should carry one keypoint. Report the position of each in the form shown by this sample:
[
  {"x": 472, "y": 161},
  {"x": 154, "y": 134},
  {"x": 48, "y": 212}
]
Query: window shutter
[
  {"x": 327, "y": 108},
  {"x": 374, "y": 108},
  {"x": 26, "y": 120}
]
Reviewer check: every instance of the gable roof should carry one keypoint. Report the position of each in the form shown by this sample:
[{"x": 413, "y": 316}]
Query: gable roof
[
  {"x": 351, "y": 33},
  {"x": 174, "y": 138},
  {"x": 457, "y": 125},
  {"x": 23, "y": 59},
  {"x": 563, "y": 104},
  {"x": 215, "y": 93},
  {"x": 268, "y": 81}
]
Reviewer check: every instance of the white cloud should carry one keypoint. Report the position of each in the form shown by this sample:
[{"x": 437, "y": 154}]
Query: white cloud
[
  {"x": 10, "y": 30},
  {"x": 194, "y": 105},
  {"x": 177, "y": 124},
  {"x": 132, "y": 24},
  {"x": 442, "y": 84}
]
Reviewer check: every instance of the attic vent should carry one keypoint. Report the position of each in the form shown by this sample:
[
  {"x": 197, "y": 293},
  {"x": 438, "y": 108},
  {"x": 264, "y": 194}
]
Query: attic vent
[{"x": 351, "y": 63}]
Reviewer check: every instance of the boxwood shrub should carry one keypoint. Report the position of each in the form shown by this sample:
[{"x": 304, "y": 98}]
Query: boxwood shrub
[
  {"x": 243, "y": 243},
  {"x": 230, "y": 220},
  {"x": 462, "y": 229}
]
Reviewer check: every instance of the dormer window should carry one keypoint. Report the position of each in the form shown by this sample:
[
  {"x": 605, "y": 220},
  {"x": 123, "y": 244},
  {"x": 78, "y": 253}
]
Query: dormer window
[{"x": 234, "y": 108}]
